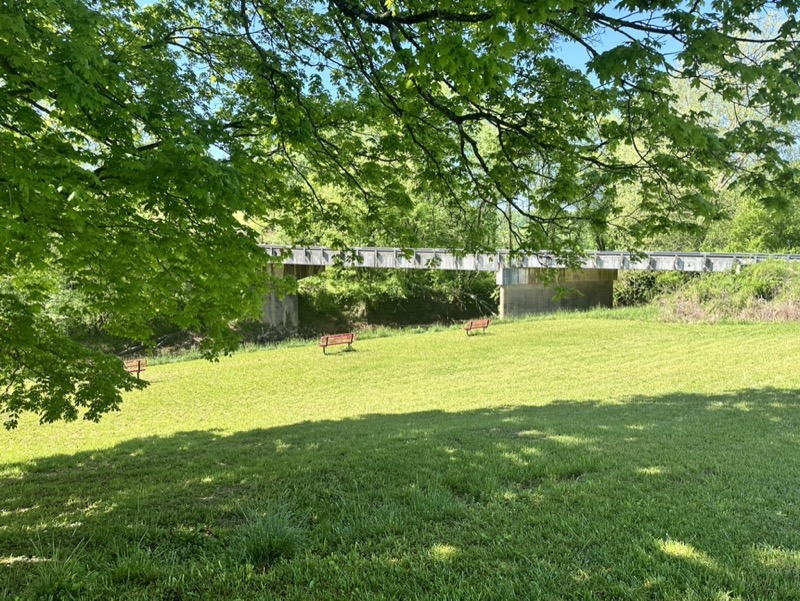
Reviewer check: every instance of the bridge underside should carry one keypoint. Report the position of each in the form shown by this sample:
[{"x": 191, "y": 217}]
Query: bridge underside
[
  {"x": 523, "y": 291},
  {"x": 527, "y": 291}
]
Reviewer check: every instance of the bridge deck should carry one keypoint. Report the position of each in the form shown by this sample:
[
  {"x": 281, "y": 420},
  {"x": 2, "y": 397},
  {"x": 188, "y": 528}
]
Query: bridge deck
[{"x": 433, "y": 258}]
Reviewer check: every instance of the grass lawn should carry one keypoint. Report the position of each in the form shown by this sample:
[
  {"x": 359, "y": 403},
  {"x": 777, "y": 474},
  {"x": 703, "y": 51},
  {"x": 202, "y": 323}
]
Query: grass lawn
[{"x": 567, "y": 458}]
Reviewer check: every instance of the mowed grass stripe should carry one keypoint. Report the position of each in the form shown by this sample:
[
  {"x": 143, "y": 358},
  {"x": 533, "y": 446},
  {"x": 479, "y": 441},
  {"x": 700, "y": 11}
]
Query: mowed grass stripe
[{"x": 525, "y": 363}]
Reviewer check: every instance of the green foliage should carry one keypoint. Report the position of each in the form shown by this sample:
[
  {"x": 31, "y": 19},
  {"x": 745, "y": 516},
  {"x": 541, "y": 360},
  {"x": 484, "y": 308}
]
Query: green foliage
[
  {"x": 752, "y": 227},
  {"x": 135, "y": 566},
  {"x": 340, "y": 300},
  {"x": 761, "y": 282},
  {"x": 633, "y": 288},
  {"x": 60, "y": 580},
  {"x": 112, "y": 195},
  {"x": 764, "y": 291},
  {"x": 43, "y": 369}
]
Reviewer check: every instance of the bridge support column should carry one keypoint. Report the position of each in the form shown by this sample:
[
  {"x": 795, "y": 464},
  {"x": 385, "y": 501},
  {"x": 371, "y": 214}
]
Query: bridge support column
[
  {"x": 281, "y": 311},
  {"x": 525, "y": 291}
]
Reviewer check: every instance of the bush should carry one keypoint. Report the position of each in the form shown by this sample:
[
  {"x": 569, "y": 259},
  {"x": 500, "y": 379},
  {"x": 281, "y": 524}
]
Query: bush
[
  {"x": 337, "y": 301},
  {"x": 635, "y": 288},
  {"x": 766, "y": 291}
]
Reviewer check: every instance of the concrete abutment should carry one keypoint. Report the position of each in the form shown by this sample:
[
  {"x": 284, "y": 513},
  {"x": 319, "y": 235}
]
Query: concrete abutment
[
  {"x": 524, "y": 291},
  {"x": 280, "y": 311}
]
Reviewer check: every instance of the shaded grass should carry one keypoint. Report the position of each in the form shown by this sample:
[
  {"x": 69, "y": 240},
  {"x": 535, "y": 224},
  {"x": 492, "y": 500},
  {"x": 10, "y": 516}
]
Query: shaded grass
[{"x": 558, "y": 458}]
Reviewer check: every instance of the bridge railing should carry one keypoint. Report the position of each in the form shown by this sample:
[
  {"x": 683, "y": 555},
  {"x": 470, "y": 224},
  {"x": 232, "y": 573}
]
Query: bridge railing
[{"x": 435, "y": 258}]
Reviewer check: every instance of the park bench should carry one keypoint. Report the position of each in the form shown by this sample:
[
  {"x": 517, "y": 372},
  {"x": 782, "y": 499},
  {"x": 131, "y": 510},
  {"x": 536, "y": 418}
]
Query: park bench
[
  {"x": 135, "y": 365},
  {"x": 334, "y": 339},
  {"x": 476, "y": 324}
]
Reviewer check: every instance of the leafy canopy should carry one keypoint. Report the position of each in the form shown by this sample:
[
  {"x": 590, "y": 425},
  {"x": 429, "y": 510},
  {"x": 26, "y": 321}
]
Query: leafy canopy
[{"x": 142, "y": 148}]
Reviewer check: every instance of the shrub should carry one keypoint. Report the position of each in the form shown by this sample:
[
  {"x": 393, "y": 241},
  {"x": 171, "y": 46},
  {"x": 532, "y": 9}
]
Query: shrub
[
  {"x": 337, "y": 301},
  {"x": 766, "y": 291},
  {"x": 634, "y": 288}
]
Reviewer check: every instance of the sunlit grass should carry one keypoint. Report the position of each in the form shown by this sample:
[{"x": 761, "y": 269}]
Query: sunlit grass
[{"x": 552, "y": 458}]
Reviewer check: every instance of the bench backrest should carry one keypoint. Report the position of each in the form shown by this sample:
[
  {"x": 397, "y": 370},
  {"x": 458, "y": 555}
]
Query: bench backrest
[
  {"x": 478, "y": 323},
  {"x": 135, "y": 364},
  {"x": 331, "y": 339}
]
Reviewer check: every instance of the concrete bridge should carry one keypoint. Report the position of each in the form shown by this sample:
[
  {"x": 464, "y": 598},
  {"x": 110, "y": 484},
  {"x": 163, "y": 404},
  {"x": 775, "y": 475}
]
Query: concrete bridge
[{"x": 527, "y": 283}]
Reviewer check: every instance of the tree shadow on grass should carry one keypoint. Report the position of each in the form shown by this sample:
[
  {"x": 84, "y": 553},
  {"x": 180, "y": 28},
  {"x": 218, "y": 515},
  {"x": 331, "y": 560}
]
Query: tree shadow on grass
[{"x": 658, "y": 497}]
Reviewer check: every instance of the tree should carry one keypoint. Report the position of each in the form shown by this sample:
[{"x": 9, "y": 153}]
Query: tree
[
  {"x": 109, "y": 188},
  {"x": 740, "y": 221},
  {"x": 141, "y": 147},
  {"x": 752, "y": 227},
  {"x": 475, "y": 96}
]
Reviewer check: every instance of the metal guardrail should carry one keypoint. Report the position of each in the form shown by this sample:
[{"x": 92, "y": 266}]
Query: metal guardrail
[{"x": 435, "y": 258}]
